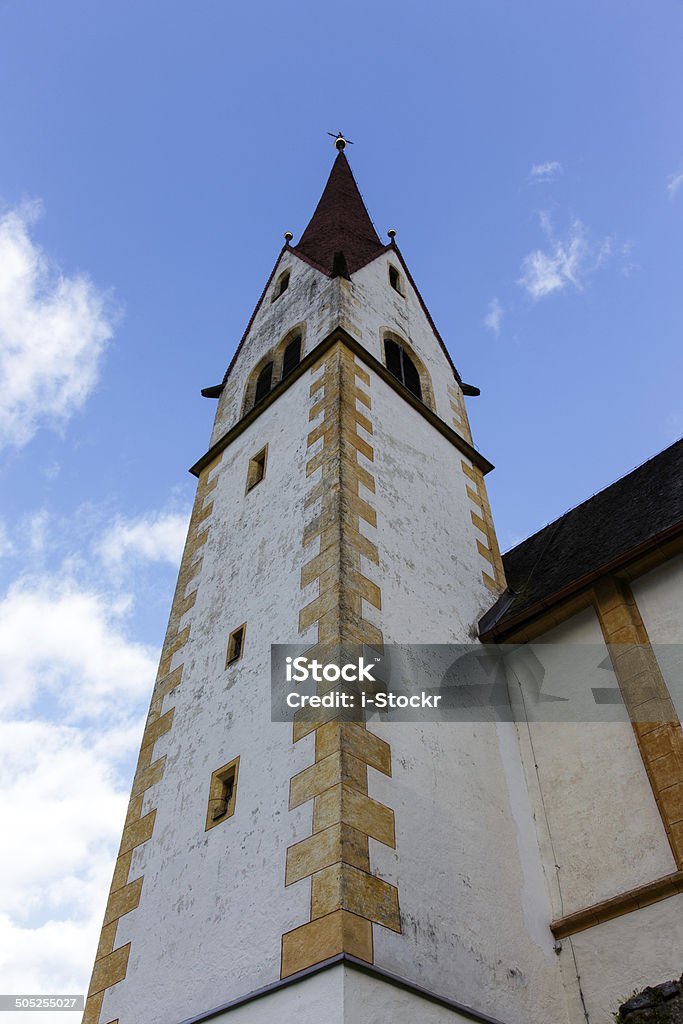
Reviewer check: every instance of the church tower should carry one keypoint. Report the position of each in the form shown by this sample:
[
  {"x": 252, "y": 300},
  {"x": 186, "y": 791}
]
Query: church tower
[{"x": 333, "y": 871}]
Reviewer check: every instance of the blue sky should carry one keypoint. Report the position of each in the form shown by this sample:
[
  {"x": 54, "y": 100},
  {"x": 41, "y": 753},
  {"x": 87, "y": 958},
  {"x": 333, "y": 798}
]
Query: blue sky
[{"x": 530, "y": 156}]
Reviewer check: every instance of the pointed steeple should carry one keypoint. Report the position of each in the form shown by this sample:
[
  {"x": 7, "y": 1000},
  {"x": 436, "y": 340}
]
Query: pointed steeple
[{"x": 340, "y": 237}]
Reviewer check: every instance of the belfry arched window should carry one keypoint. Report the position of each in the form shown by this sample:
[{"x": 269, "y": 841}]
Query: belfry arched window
[
  {"x": 402, "y": 366},
  {"x": 291, "y": 356},
  {"x": 263, "y": 383}
]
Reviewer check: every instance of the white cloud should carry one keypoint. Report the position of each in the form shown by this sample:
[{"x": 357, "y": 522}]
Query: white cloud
[
  {"x": 494, "y": 318},
  {"x": 68, "y": 643},
  {"x": 53, "y": 331},
  {"x": 565, "y": 262},
  {"x": 152, "y": 538},
  {"x": 74, "y": 687},
  {"x": 56, "y": 782},
  {"x": 546, "y": 171},
  {"x": 674, "y": 183},
  {"x": 62, "y": 803},
  {"x": 73, "y": 690}
]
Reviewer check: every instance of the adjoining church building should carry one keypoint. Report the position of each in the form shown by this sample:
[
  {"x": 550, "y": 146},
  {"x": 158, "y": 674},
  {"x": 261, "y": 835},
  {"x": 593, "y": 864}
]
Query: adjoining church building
[{"x": 352, "y": 872}]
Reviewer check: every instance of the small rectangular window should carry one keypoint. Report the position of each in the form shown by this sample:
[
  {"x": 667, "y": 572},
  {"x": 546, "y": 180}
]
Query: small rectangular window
[
  {"x": 395, "y": 280},
  {"x": 257, "y": 468},
  {"x": 222, "y": 794},
  {"x": 235, "y": 645}
]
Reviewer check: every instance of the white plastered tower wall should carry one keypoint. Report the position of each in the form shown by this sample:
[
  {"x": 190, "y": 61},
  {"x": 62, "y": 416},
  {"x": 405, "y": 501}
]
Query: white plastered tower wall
[
  {"x": 473, "y": 901},
  {"x": 213, "y": 905},
  {"x": 437, "y": 822}
]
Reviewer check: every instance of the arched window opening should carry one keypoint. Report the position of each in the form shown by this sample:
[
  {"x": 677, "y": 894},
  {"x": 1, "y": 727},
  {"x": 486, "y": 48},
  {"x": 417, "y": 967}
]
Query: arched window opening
[
  {"x": 263, "y": 383},
  {"x": 395, "y": 279},
  {"x": 292, "y": 356},
  {"x": 402, "y": 366},
  {"x": 282, "y": 285}
]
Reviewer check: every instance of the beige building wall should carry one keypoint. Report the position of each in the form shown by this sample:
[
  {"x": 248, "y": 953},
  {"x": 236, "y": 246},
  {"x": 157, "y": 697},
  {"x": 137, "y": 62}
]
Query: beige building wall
[
  {"x": 604, "y": 843},
  {"x": 585, "y": 779},
  {"x": 627, "y": 954}
]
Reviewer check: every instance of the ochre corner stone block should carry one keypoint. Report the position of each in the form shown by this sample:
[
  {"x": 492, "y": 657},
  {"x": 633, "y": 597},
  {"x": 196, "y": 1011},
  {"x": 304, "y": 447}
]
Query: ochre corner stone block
[
  {"x": 337, "y": 767},
  {"x": 342, "y": 886},
  {"x": 337, "y": 843},
  {"x": 93, "y": 1008},
  {"x": 110, "y": 969},
  {"x": 311, "y": 943},
  {"x": 341, "y": 803}
]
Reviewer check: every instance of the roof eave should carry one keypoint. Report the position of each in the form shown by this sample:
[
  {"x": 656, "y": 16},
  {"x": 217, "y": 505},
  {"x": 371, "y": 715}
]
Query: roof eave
[{"x": 507, "y": 625}]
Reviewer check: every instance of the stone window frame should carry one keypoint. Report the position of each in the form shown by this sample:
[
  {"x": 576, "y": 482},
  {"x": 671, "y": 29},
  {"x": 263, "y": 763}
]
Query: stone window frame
[
  {"x": 230, "y": 657},
  {"x": 256, "y": 471},
  {"x": 222, "y": 794},
  {"x": 389, "y": 334}
]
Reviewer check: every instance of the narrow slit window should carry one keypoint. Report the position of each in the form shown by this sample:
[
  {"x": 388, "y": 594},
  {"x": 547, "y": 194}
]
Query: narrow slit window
[
  {"x": 264, "y": 383},
  {"x": 235, "y": 645},
  {"x": 292, "y": 356},
  {"x": 257, "y": 468},
  {"x": 395, "y": 280},
  {"x": 281, "y": 286},
  {"x": 222, "y": 793}
]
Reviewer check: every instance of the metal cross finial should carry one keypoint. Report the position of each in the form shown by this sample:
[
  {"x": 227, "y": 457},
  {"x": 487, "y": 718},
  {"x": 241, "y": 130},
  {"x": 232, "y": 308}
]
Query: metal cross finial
[{"x": 339, "y": 140}]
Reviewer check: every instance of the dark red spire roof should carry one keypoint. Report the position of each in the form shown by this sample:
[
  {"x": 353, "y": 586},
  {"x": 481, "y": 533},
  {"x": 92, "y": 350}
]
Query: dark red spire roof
[{"x": 340, "y": 225}]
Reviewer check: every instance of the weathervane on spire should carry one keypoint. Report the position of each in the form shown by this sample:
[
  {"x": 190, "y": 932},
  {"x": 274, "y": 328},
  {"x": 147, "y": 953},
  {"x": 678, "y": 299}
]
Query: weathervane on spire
[{"x": 339, "y": 141}]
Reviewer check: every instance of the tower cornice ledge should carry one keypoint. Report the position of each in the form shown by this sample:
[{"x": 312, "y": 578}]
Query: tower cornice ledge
[{"x": 339, "y": 335}]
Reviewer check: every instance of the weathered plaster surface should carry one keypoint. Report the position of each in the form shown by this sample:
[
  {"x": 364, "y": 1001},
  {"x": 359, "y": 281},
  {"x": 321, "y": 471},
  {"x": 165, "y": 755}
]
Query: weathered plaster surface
[
  {"x": 466, "y": 863},
  {"x": 430, "y": 566},
  {"x": 318, "y": 999},
  {"x": 622, "y": 956},
  {"x": 370, "y": 1000},
  {"x": 213, "y": 903},
  {"x": 470, "y": 922}
]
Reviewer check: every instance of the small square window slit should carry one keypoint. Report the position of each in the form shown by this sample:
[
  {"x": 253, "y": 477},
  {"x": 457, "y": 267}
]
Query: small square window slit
[
  {"x": 235, "y": 645},
  {"x": 222, "y": 794},
  {"x": 257, "y": 469}
]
